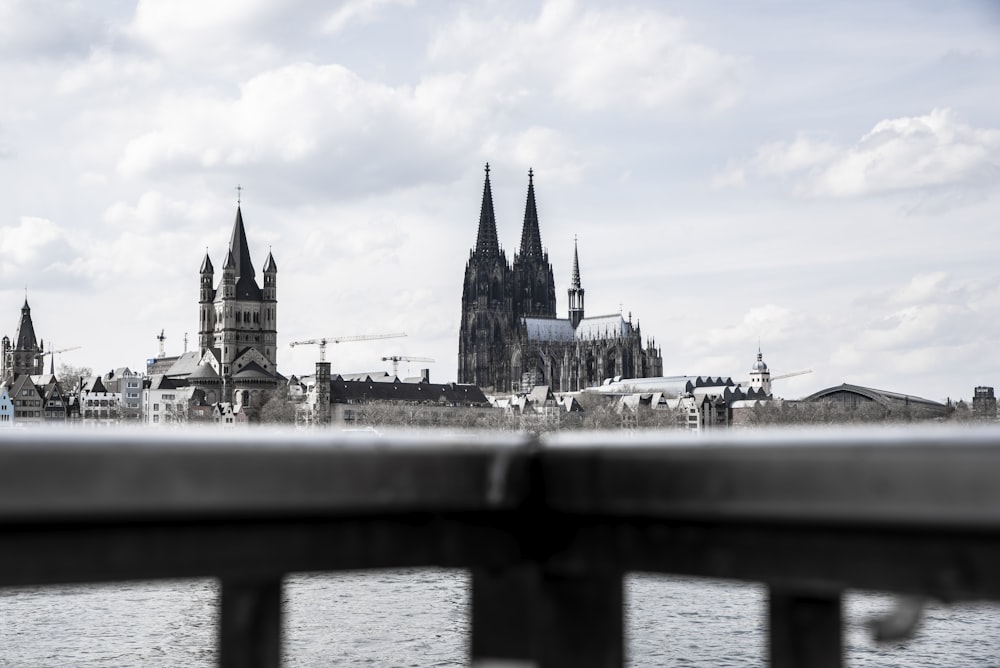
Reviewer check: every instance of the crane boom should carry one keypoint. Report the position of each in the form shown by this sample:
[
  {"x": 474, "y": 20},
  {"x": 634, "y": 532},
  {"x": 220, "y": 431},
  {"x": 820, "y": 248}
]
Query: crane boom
[
  {"x": 342, "y": 339},
  {"x": 396, "y": 359},
  {"x": 52, "y": 362}
]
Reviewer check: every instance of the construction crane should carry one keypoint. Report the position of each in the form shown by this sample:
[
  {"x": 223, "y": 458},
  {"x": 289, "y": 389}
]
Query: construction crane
[
  {"x": 793, "y": 373},
  {"x": 342, "y": 339},
  {"x": 52, "y": 365},
  {"x": 396, "y": 359}
]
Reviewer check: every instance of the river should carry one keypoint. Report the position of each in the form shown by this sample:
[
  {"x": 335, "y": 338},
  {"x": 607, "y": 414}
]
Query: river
[{"x": 418, "y": 618}]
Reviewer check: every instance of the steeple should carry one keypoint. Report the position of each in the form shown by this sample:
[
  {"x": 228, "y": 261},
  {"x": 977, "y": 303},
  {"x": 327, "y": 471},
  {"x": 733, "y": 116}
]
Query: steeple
[
  {"x": 531, "y": 238},
  {"x": 270, "y": 264},
  {"x": 575, "y": 281},
  {"x": 25, "y": 338},
  {"x": 239, "y": 248},
  {"x": 206, "y": 264},
  {"x": 575, "y": 290},
  {"x": 486, "y": 241}
]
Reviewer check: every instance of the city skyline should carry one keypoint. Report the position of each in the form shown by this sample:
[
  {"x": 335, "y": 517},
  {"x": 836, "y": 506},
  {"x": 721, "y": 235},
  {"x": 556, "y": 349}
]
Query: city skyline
[{"x": 820, "y": 179}]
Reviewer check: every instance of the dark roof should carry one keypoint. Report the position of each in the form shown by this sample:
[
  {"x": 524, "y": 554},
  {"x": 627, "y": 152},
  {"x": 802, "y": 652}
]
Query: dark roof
[
  {"x": 25, "y": 338},
  {"x": 270, "y": 264},
  {"x": 204, "y": 372},
  {"x": 161, "y": 382},
  {"x": 883, "y": 397},
  {"x": 206, "y": 265},
  {"x": 342, "y": 391},
  {"x": 94, "y": 384},
  {"x": 253, "y": 371},
  {"x": 246, "y": 285}
]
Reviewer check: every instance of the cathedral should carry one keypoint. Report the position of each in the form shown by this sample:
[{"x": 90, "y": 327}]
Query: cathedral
[
  {"x": 510, "y": 338},
  {"x": 238, "y": 330}
]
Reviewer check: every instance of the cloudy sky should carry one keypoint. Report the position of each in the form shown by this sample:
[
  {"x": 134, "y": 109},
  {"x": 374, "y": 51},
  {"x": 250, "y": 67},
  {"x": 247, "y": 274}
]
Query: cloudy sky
[{"x": 823, "y": 177}]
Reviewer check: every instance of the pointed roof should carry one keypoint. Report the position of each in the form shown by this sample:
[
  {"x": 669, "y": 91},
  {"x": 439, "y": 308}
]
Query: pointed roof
[
  {"x": 270, "y": 264},
  {"x": 230, "y": 262},
  {"x": 239, "y": 251},
  {"x": 575, "y": 283},
  {"x": 531, "y": 238},
  {"x": 206, "y": 265},
  {"x": 25, "y": 338},
  {"x": 486, "y": 241},
  {"x": 239, "y": 248}
]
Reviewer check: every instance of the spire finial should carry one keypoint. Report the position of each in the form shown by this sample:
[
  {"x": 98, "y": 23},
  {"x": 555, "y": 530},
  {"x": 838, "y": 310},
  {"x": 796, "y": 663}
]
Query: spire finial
[
  {"x": 239, "y": 194},
  {"x": 487, "y": 170},
  {"x": 531, "y": 174}
]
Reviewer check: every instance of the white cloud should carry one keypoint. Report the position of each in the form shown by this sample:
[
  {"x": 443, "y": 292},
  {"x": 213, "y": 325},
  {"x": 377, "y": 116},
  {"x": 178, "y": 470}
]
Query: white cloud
[
  {"x": 358, "y": 10},
  {"x": 931, "y": 153},
  {"x": 593, "y": 59},
  {"x": 769, "y": 324},
  {"x": 37, "y": 252}
]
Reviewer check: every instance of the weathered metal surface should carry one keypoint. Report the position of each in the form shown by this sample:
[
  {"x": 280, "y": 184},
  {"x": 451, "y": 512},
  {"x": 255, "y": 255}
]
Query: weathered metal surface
[{"x": 69, "y": 477}]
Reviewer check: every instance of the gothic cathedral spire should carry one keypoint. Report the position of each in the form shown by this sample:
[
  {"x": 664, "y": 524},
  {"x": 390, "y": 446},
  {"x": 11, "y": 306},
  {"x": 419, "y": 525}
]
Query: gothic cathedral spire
[
  {"x": 534, "y": 285},
  {"x": 531, "y": 238},
  {"x": 575, "y": 290},
  {"x": 487, "y": 244}
]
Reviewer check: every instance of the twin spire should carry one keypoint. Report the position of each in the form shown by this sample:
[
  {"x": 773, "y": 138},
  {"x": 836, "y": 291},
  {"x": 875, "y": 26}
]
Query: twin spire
[{"x": 487, "y": 243}]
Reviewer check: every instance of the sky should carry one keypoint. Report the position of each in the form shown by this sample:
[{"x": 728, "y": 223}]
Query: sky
[{"x": 819, "y": 179}]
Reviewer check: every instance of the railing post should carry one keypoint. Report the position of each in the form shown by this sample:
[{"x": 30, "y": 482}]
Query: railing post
[
  {"x": 526, "y": 616},
  {"x": 250, "y": 624},
  {"x": 805, "y": 630}
]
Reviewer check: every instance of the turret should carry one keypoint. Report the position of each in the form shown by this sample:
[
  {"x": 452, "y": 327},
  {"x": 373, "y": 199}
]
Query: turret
[
  {"x": 269, "y": 309},
  {"x": 229, "y": 277},
  {"x": 270, "y": 278},
  {"x": 206, "y": 312},
  {"x": 760, "y": 376}
]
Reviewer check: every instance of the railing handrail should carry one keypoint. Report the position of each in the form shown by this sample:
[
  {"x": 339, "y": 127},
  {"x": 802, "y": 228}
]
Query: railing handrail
[{"x": 547, "y": 527}]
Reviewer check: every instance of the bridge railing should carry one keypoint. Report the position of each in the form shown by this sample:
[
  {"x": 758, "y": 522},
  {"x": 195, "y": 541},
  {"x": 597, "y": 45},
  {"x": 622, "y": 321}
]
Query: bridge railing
[{"x": 547, "y": 529}]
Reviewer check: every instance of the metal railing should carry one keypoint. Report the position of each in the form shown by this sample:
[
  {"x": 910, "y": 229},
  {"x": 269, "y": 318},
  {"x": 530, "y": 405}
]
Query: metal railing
[{"x": 547, "y": 529}]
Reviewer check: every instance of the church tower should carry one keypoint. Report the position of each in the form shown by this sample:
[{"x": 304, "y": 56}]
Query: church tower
[
  {"x": 487, "y": 306},
  {"x": 238, "y": 320},
  {"x": 575, "y": 291},
  {"x": 24, "y": 355},
  {"x": 534, "y": 287},
  {"x": 760, "y": 376}
]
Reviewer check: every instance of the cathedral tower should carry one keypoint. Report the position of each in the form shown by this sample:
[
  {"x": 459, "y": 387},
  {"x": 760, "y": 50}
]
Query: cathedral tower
[
  {"x": 534, "y": 287},
  {"x": 487, "y": 306}
]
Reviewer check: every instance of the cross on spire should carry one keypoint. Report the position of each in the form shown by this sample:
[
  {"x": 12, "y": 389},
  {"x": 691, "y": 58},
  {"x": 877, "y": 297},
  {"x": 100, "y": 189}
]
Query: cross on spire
[{"x": 239, "y": 194}]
